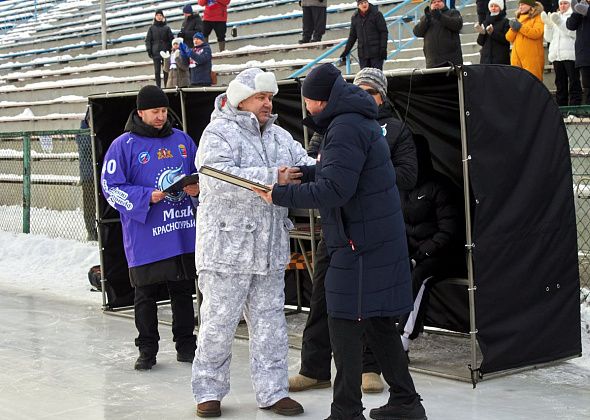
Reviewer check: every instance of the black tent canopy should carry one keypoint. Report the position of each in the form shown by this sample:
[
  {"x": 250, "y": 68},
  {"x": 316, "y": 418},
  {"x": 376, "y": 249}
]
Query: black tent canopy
[{"x": 498, "y": 135}]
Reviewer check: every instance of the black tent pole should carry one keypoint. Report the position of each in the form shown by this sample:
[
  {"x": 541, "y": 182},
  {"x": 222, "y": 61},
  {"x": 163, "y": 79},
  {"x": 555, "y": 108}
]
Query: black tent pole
[{"x": 469, "y": 245}]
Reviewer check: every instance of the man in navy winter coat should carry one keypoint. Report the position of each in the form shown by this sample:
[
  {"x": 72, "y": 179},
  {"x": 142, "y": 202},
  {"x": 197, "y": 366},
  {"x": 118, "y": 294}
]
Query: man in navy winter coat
[{"x": 368, "y": 280}]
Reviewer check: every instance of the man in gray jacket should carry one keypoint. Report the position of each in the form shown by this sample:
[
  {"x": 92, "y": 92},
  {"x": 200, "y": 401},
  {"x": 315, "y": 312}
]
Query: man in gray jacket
[
  {"x": 440, "y": 28},
  {"x": 314, "y": 20},
  {"x": 243, "y": 245}
]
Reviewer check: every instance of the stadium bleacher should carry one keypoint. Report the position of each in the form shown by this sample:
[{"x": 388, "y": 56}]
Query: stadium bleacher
[{"x": 58, "y": 54}]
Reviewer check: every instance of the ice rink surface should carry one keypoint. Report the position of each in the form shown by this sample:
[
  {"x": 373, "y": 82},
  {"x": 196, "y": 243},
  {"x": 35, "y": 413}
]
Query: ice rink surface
[{"x": 68, "y": 360}]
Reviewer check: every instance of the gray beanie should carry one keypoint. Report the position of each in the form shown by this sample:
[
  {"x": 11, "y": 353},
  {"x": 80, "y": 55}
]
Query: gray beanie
[{"x": 374, "y": 78}]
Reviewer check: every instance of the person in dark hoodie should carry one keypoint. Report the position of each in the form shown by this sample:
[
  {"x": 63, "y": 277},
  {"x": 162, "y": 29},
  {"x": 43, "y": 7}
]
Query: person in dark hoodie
[
  {"x": 158, "y": 38},
  {"x": 160, "y": 249},
  {"x": 492, "y": 35},
  {"x": 192, "y": 23},
  {"x": 432, "y": 218},
  {"x": 368, "y": 280},
  {"x": 316, "y": 352},
  {"x": 440, "y": 28},
  {"x": 368, "y": 26},
  {"x": 200, "y": 60}
]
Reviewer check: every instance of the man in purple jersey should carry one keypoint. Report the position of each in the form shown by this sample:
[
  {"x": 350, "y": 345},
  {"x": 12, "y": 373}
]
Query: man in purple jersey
[{"x": 158, "y": 227}]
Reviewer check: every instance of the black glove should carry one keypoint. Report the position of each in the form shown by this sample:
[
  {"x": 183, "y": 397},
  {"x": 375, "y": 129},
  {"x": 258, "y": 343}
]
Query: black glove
[
  {"x": 341, "y": 61},
  {"x": 515, "y": 25},
  {"x": 427, "y": 11},
  {"x": 436, "y": 13},
  {"x": 150, "y": 55},
  {"x": 299, "y": 3}
]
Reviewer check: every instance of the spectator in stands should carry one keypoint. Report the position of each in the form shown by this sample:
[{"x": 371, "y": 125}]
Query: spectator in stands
[
  {"x": 199, "y": 60},
  {"x": 316, "y": 351},
  {"x": 159, "y": 38},
  {"x": 562, "y": 54},
  {"x": 482, "y": 9},
  {"x": 433, "y": 231},
  {"x": 215, "y": 19},
  {"x": 243, "y": 246},
  {"x": 176, "y": 65},
  {"x": 368, "y": 279},
  {"x": 367, "y": 25},
  {"x": 440, "y": 28},
  {"x": 495, "y": 49},
  {"x": 579, "y": 21},
  {"x": 526, "y": 36},
  {"x": 314, "y": 20},
  {"x": 87, "y": 179},
  {"x": 192, "y": 23},
  {"x": 138, "y": 166}
]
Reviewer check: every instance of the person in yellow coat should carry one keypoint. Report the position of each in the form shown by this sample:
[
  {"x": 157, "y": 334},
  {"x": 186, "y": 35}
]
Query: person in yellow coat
[{"x": 526, "y": 36}]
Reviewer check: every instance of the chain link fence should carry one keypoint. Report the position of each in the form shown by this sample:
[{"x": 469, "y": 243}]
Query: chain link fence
[
  {"x": 47, "y": 184},
  {"x": 577, "y": 123}
]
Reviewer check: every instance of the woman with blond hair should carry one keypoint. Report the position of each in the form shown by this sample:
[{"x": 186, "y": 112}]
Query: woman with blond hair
[{"x": 526, "y": 36}]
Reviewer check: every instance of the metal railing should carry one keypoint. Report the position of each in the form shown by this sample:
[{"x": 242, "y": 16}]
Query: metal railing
[
  {"x": 402, "y": 26},
  {"x": 48, "y": 184}
]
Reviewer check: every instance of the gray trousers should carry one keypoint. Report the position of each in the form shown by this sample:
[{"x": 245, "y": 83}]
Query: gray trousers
[{"x": 261, "y": 299}]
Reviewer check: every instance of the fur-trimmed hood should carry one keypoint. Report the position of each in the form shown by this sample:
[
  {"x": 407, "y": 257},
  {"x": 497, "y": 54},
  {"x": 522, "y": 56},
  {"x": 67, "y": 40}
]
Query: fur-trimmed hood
[{"x": 535, "y": 11}]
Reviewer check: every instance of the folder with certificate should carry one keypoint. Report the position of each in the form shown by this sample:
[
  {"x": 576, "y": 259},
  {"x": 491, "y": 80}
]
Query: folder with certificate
[
  {"x": 182, "y": 182},
  {"x": 231, "y": 178}
]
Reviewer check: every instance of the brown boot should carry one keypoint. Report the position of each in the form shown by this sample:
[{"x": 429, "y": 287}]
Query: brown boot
[
  {"x": 286, "y": 407},
  {"x": 302, "y": 383},
  {"x": 372, "y": 383},
  {"x": 209, "y": 409}
]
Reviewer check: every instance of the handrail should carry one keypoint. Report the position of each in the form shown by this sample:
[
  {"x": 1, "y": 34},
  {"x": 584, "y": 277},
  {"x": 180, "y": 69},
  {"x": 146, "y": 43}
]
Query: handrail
[{"x": 402, "y": 21}]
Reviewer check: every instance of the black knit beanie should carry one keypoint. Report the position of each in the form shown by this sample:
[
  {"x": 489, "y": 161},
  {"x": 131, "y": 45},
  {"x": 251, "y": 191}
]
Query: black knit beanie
[
  {"x": 151, "y": 96},
  {"x": 159, "y": 12},
  {"x": 317, "y": 85}
]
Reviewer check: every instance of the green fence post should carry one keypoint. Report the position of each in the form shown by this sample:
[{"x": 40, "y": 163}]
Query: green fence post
[{"x": 27, "y": 183}]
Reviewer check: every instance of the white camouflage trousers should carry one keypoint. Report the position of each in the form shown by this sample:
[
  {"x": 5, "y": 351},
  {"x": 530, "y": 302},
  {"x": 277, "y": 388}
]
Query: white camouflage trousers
[{"x": 261, "y": 299}]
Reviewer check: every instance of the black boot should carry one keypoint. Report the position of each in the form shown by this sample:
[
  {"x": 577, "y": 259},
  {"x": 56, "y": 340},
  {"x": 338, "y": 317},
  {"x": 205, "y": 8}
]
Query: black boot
[
  {"x": 410, "y": 411},
  {"x": 145, "y": 361},
  {"x": 303, "y": 41}
]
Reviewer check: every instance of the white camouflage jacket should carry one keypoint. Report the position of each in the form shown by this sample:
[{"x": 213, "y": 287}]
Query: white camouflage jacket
[{"x": 237, "y": 232}]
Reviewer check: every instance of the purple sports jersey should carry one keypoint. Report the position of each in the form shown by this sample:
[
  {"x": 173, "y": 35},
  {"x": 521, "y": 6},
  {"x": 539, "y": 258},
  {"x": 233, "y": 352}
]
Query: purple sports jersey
[{"x": 133, "y": 167}]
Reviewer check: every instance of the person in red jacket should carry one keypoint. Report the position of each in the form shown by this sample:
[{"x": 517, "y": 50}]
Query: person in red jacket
[{"x": 215, "y": 19}]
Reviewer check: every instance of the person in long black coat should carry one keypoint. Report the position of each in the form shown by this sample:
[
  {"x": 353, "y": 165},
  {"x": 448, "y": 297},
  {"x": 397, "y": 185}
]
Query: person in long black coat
[
  {"x": 367, "y": 282},
  {"x": 158, "y": 38},
  {"x": 579, "y": 21},
  {"x": 433, "y": 229},
  {"x": 191, "y": 24},
  {"x": 492, "y": 35},
  {"x": 440, "y": 28},
  {"x": 368, "y": 27}
]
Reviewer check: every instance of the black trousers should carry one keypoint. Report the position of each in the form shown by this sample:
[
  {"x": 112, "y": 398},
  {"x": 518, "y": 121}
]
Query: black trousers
[
  {"x": 346, "y": 337},
  {"x": 219, "y": 27},
  {"x": 585, "y": 73},
  {"x": 314, "y": 23},
  {"x": 158, "y": 61},
  {"x": 376, "y": 63},
  {"x": 316, "y": 351},
  {"x": 567, "y": 82},
  {"x": 183, "y": 316}
]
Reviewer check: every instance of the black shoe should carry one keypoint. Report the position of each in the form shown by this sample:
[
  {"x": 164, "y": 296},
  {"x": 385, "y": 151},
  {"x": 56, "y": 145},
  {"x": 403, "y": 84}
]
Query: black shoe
[
  {"x": 185, "y": 357},
  {"x": 303, "y": 41},
  {"x": 411, "y": 411},
  {"x": 145, "y": 361}
]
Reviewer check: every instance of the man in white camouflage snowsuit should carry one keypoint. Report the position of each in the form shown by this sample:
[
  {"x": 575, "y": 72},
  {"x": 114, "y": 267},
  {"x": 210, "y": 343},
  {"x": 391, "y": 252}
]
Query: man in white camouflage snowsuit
[{"x": 243, "y": 245}]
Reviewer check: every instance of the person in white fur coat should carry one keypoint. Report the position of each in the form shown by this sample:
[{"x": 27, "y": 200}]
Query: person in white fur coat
[
  {"x": 562, "y": 54},
  {"x": 176, "y": 66}
]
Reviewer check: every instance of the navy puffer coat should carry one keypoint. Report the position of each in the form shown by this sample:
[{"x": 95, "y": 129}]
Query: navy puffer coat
[{"x": 353, "y": 185}]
